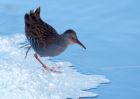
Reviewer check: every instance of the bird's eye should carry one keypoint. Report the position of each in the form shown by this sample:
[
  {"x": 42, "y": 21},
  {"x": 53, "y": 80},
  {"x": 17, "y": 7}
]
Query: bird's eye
[{"x": 72, "y": 38}]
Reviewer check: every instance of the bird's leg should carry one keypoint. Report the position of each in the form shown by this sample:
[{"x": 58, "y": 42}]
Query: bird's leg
[
  {"x": 36, "y": 56},
  {"x": 28, "y": 48},
  {"x": 45, "y": 66}
]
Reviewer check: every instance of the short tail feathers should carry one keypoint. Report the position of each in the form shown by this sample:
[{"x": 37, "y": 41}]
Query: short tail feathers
[
  {"x": 37, "y": 12},
  {"x": 32, "y": 16}
]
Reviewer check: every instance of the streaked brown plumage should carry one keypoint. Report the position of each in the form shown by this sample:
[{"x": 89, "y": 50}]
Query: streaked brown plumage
[{"x": 44, "y": 39}]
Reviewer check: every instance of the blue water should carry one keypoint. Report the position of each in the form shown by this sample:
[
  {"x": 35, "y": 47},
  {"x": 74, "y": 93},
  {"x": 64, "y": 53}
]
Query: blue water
[{"x": 109, "y": 29}]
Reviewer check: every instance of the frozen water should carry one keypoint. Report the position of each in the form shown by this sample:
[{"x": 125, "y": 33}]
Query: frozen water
[{"x": 25, "y": 79}]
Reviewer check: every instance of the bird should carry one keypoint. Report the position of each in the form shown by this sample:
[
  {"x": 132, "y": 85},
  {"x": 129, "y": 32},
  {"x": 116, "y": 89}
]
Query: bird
[{"x": 45, "y": 40}]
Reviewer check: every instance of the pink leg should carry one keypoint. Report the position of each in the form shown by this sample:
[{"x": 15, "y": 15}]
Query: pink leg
[
  {"x": 45, "y": 66},
  {"x": 36, "y": 56}
]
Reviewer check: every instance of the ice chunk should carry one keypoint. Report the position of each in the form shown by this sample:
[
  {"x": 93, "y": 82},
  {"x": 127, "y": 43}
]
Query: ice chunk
[{"x": 25, "y": 79}]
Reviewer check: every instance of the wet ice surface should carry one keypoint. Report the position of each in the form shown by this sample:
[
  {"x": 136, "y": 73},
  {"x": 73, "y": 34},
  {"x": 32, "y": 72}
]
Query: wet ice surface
[{"x": 25, "y": 79}]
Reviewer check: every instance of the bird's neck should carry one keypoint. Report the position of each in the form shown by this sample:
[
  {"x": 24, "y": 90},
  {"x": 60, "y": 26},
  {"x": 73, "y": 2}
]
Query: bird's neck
[{"x": 64, "y": 39}]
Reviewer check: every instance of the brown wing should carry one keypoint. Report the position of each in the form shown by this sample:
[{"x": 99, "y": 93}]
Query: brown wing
[{"x": 39, "y": 33}]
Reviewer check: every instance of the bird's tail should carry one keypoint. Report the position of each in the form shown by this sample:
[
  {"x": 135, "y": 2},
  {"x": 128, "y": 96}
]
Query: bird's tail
[{"x": 32, "y": 16}]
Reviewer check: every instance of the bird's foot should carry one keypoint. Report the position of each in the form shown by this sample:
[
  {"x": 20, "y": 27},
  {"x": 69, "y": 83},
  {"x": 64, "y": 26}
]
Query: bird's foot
[
  {"x": 55, "y": 70},
  {"x": 52, "y": 69}
]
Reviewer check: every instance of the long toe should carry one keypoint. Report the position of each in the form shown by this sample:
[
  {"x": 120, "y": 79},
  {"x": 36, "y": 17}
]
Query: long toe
[{"x": 53, "y": 69}]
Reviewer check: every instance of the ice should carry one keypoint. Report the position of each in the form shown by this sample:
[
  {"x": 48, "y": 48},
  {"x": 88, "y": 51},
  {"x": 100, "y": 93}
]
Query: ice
[{"x": 25, "y": 79}]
